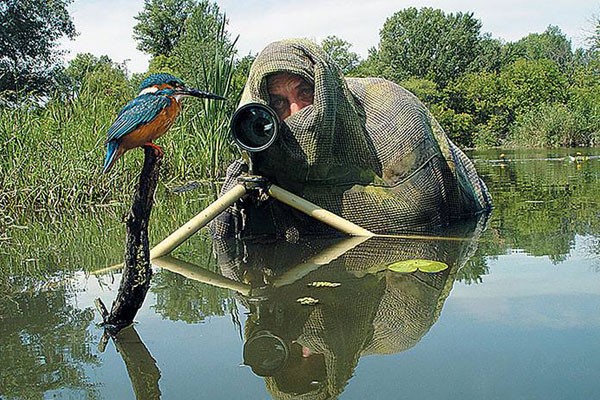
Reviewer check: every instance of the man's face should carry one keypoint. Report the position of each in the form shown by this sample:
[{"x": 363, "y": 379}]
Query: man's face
[{"x": 289, "y": 93}]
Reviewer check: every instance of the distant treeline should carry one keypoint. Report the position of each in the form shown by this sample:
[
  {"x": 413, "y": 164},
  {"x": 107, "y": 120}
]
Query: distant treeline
[
  {"x": 537, "y": 91},
  {"x": 534, "y": 92}
]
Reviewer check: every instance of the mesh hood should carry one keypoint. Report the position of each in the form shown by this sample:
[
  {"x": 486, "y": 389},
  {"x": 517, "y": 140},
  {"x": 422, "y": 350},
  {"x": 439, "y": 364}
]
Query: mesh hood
[
  {"x": 324, "y": 143},
  {"x": 366, "y": 149}
]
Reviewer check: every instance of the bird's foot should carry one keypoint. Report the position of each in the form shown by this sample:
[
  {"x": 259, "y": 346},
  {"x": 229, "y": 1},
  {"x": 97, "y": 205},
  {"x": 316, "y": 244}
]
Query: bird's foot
[{"x": 158, "y": 151}]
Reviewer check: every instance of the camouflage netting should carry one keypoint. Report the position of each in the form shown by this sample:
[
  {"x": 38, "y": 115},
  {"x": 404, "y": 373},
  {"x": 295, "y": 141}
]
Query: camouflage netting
[
  {"x": 372, "y": 311},
  {"x": 367, "y": 150}
]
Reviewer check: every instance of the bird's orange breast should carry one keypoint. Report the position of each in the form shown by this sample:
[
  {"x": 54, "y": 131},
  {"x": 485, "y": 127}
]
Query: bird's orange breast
[{"x": 153, "y": 129}]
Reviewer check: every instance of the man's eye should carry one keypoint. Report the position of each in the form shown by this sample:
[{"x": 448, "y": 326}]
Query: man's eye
[
  {"x": 307, "y": 93},
  {"x": 278, "y": 104}
]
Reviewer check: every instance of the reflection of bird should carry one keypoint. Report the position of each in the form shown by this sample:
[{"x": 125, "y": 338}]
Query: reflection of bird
[{"x": 148, "y": 116}]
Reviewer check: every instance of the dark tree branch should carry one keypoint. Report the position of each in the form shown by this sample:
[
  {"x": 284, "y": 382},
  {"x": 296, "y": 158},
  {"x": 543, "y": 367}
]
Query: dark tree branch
[{"x": 137, "y": 272}]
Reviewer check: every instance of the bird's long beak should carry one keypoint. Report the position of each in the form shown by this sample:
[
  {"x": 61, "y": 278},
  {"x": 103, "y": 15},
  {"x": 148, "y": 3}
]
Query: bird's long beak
[{"x": 198, "y": 93}]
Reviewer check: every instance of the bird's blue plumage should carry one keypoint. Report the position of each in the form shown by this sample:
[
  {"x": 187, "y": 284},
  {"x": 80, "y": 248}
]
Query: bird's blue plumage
[
  {"x": 160, "y": 79},
  {"x": 137, "y": 112},
  {"x": 111, "y": 154}
]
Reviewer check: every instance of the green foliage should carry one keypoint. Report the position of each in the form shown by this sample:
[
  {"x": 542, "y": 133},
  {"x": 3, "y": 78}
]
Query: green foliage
[
  {"x": 546, "y": 125},
  {"x": 428, "y": 43},
  {"x": 490, "y": 57},
  {"x": 495, "y": 100},
  {"x": 339, "y": 51},
  {"x": 86, "y": 66},
  {"x": 550, "y": 45},
  {"x": 427, "y": 91},
  {"x": 528, "y": 83},
  {"x": 456, "y": 125},
  {"x": 28, "y": 39},
  {"x": 584, "y": 103},
  {"x": 204, "y": 36},
  {"x": 160, "y": 25}
]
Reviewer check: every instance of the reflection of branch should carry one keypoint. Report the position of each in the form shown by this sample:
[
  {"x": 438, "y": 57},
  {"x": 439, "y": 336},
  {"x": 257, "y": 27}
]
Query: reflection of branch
[
  {"x": 196, "y": 273},
  {"x": 141, "y": 366}
]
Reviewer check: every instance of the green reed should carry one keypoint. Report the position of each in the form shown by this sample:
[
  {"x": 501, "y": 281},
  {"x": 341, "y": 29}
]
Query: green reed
[{"x": 52, "y": 155}]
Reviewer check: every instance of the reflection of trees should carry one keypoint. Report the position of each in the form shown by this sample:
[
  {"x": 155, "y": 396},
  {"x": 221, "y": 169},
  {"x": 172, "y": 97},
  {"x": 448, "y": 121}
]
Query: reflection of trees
[
  {"x": 541, "y": 205},
  {"x": 178, "y": 298},
  {"x": 45, "y": 345}
]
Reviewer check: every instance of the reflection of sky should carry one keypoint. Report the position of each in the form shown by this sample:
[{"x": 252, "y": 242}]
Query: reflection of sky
[
  {"x": 529, "y": 331},
  {"x": 533, "y": 292}
]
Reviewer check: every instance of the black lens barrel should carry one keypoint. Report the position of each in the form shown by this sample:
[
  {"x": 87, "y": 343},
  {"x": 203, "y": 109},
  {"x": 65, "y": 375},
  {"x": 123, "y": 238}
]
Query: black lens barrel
[{"x": 255, "y": 127}]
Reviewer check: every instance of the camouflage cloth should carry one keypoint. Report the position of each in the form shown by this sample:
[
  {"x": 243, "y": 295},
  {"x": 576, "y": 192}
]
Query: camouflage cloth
[{"x": 367, "y": 150}]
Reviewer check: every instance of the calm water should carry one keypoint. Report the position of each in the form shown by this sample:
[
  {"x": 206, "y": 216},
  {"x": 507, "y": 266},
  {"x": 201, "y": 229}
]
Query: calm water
[{"x": 516, "y": 315}]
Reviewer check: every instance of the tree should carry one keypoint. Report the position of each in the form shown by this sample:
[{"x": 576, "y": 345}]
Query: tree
[
  {"x": 161, "y": 25},
  {"x": 81, "y": 67},
  {"x": 205, "y": 37},
  {"x": 28, "y": 40},
  {"x": 428, "y": 43},
  {"x": 551, "y": 45},
  {"x": 594, "y": 38},
  {"x": 529, "y": 83},
  {"x": 339, "y": 51},
  {"x": 491, "y": 56}
]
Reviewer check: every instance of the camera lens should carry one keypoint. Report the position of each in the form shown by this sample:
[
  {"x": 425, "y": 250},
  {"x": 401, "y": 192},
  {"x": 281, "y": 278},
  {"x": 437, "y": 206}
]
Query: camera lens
[
  {"x": 265, "y": 353},
  {"x": 255, "y": 127}
]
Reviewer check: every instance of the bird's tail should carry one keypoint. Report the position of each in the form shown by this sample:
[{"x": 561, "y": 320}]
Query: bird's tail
[{"x": 112, "y": 155}]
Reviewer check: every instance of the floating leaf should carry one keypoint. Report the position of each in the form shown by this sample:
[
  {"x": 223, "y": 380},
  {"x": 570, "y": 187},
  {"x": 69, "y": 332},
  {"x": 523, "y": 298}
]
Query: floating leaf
[
  {"x": 324, "y": 284},
  {"x": 408, "y": 266},
  {"x": 307, "y": 301}
]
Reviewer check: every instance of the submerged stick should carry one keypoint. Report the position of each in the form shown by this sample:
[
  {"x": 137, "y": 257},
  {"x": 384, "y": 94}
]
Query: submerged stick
[{"x": 135, "y": 280}]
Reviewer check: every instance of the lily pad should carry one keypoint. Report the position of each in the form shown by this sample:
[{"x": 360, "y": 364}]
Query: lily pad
[{"x": 408, "y": 266}]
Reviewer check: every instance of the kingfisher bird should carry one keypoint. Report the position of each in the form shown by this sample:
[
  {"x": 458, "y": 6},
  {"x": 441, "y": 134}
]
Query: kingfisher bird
[{"x": 148, "y": 116}]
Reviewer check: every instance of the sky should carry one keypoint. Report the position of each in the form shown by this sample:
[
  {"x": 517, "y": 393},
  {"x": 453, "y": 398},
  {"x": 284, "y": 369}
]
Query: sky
[{"x": 106, "y": 26}]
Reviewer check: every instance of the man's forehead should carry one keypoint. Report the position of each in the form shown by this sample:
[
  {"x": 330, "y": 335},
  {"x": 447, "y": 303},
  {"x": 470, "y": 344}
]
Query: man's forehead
[{"x": 286, "y": 78}]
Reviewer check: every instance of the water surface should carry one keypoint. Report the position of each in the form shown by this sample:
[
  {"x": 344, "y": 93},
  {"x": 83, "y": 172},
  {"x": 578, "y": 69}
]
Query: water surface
[{"x": 515, "y": 315}]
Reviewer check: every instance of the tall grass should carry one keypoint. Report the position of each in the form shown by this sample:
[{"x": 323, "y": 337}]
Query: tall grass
[
  {"x": 52, "y": 156},
  {"x": 554, "y": 125}
]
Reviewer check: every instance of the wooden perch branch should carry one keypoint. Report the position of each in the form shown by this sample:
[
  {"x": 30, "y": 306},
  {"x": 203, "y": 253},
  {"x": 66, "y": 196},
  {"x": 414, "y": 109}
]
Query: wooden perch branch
[{"x": 137, "y": 272}]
